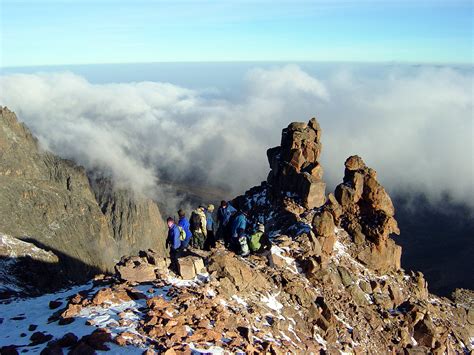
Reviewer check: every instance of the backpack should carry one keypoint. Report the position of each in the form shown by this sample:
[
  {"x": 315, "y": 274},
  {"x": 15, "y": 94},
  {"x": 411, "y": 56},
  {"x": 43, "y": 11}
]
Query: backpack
[
  {"x": 195, "y": 221},
  {"x": 254, "y": 241},
  {"x": 244, "y": 248},
  {"x": 182, "y": 233}
]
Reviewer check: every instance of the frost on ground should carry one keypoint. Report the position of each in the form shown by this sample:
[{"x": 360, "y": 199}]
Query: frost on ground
[
  {"x": 12, "y": 252},
  {"x": 21, "y": 318}
]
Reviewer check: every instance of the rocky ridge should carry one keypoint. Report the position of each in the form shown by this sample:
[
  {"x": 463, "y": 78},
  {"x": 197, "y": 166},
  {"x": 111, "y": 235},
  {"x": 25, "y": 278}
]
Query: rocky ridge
[{"x": 338, "y": 285}]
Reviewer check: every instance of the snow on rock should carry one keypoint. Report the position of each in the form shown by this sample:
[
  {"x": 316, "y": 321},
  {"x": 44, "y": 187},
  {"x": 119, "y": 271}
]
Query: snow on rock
[
  {"x": 12, "y": 252},
  {"x": 16, "y": 317},
  {"x": 280, "y": 253},
  {"x": 271, "y": 302},
  {"x": 239, "y": 300}
]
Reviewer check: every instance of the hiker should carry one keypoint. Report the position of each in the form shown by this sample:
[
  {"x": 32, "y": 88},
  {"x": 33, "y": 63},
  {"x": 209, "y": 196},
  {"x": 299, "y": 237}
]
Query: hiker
[
  {"x": 198, "y": 228},
  {"x": 224, "y": 214},
  {"x": 210, "y": 240},
  {"x": 184, "y": 223},
  {"x": 259, "y": 243},
  {"x": 173, "y": 242},
  {"x": 237, "y": 232}
]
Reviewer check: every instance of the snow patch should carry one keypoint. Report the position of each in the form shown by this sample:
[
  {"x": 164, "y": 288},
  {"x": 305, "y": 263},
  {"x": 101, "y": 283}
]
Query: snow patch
[
  {"x": 240, "y": 301},
  {"x": 271, "y": 302}
]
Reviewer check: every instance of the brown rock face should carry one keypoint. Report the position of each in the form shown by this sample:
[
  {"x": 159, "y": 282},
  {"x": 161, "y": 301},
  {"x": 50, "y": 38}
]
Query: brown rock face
[
  {"x": 190, "y": 267},
  {"x": 362, "y": 197},
  {"x": 50, "y": 201},
  {"x": 323, "y": 228},
  {"x": 368, "y": 215},
  {"x": 135, "y": 269},
  {"x": 381, "y": 257},
  {"x": 234, "y": 275},
  {"x": 134, "y": 221},
  {"x": 295, "y": 167}
]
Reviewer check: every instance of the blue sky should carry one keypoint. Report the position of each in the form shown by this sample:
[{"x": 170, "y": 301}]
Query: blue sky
[{"x": 102, "y": 31}]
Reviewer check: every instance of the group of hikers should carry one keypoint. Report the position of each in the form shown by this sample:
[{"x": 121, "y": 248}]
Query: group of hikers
[{"x": 201, "y": 231}]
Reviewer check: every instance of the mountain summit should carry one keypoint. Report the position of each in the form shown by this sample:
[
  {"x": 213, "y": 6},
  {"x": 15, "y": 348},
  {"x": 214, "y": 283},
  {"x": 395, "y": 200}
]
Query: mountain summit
[{"x": 336, "y": 286}]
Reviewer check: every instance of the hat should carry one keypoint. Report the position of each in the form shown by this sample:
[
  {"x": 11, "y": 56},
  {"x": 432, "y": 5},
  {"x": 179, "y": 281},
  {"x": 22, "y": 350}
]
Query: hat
[
  {"x": 210, "y": 208},
  {"x": 261, "y": 228}
]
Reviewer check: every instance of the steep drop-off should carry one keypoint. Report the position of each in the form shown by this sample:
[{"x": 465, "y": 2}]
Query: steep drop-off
[{"x": 49, "y": 201}]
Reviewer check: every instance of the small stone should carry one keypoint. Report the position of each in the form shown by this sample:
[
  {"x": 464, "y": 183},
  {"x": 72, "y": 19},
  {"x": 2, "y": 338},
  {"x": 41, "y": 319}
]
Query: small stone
[
  {"x": 40, "y": 338},
  {"x": 54, "y": 304}
]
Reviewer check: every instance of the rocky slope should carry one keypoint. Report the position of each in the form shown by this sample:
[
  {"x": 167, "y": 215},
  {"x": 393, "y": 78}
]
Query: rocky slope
[
  {"x": 49, "y": 202},
  {"x": 338, "y": 286},
  {"x": 135, "y": 223}
]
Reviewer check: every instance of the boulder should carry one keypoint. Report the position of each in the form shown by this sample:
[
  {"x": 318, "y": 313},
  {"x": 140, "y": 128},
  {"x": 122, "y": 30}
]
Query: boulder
[
  {"x": 323, "y": 224},
  {"x": 359, "y": 296},
  {"x": 354, "y": 163},
  {"x": 40, "y": 338},
  {"x": 384, "y": 257},
  {"x": 135, "y": 269},
  {"x": 376, "y": 196},
  {"x": 235, "y": 275},
  {"x": 97, "y": 339},
  {"x": 324, "y": 230},
  {"x": 346, "y": 276},
  {"x": 425, "y": 333},
  {"x": 190, "y": 267},
  {"x": 334, "y": 208},
  {"x": 107, "y": 295},
  {"x": 312, "y": 191}
]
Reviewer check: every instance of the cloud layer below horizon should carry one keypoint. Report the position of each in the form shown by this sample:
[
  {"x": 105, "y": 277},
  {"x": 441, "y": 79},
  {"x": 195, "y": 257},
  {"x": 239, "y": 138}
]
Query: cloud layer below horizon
[{"x": 414, "y": 128}]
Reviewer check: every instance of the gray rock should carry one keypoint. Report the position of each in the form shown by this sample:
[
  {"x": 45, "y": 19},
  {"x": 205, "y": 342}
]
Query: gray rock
[
  {"x": 358, "y": 295},
  {"x": 365, "y": 286},
  {"x": 346, "y": 277}
]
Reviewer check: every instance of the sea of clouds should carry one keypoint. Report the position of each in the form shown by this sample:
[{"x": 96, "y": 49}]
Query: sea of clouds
[{"x": 414, "y": 127}]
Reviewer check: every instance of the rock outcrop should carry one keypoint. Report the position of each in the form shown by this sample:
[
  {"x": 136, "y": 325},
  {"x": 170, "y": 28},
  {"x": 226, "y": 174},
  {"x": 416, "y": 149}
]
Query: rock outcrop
[
  {"x": 145, "y": 267},
  {"x": 368, "y": 216},
  {"x": 134, "y": 221},
  {"x": 295, "y": 167},
  {"x": 49, "y": 202}
]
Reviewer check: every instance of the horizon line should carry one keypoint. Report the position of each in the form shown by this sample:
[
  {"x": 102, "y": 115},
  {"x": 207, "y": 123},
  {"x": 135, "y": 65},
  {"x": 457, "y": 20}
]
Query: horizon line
[{"x": 405, "y": 62}]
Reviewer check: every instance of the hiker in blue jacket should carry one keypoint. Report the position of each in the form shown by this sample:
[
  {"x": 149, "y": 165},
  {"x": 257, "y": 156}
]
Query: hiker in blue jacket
[
  {"x": 211, "y": 239},
  {"x": 184, "y": 223},
  {"x": 224, "y": 214},
  {"x": 237, "y": 232},
  {"x": 173, "y": 242}
]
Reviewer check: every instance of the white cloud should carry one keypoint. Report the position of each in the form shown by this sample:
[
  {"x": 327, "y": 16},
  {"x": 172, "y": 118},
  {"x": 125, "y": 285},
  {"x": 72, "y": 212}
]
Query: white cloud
[{"x": 415, "y": 129}]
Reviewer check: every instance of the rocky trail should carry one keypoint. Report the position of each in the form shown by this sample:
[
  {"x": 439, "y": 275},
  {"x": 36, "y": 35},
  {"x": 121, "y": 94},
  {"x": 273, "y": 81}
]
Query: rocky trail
[{"x": 240, "y": 305}]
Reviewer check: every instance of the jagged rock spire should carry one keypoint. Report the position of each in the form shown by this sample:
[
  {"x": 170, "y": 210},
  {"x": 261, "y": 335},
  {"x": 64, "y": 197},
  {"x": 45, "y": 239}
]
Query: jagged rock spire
[
  {"x": 295, "y": 167},
  {"x": 368, "y": 215}
]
